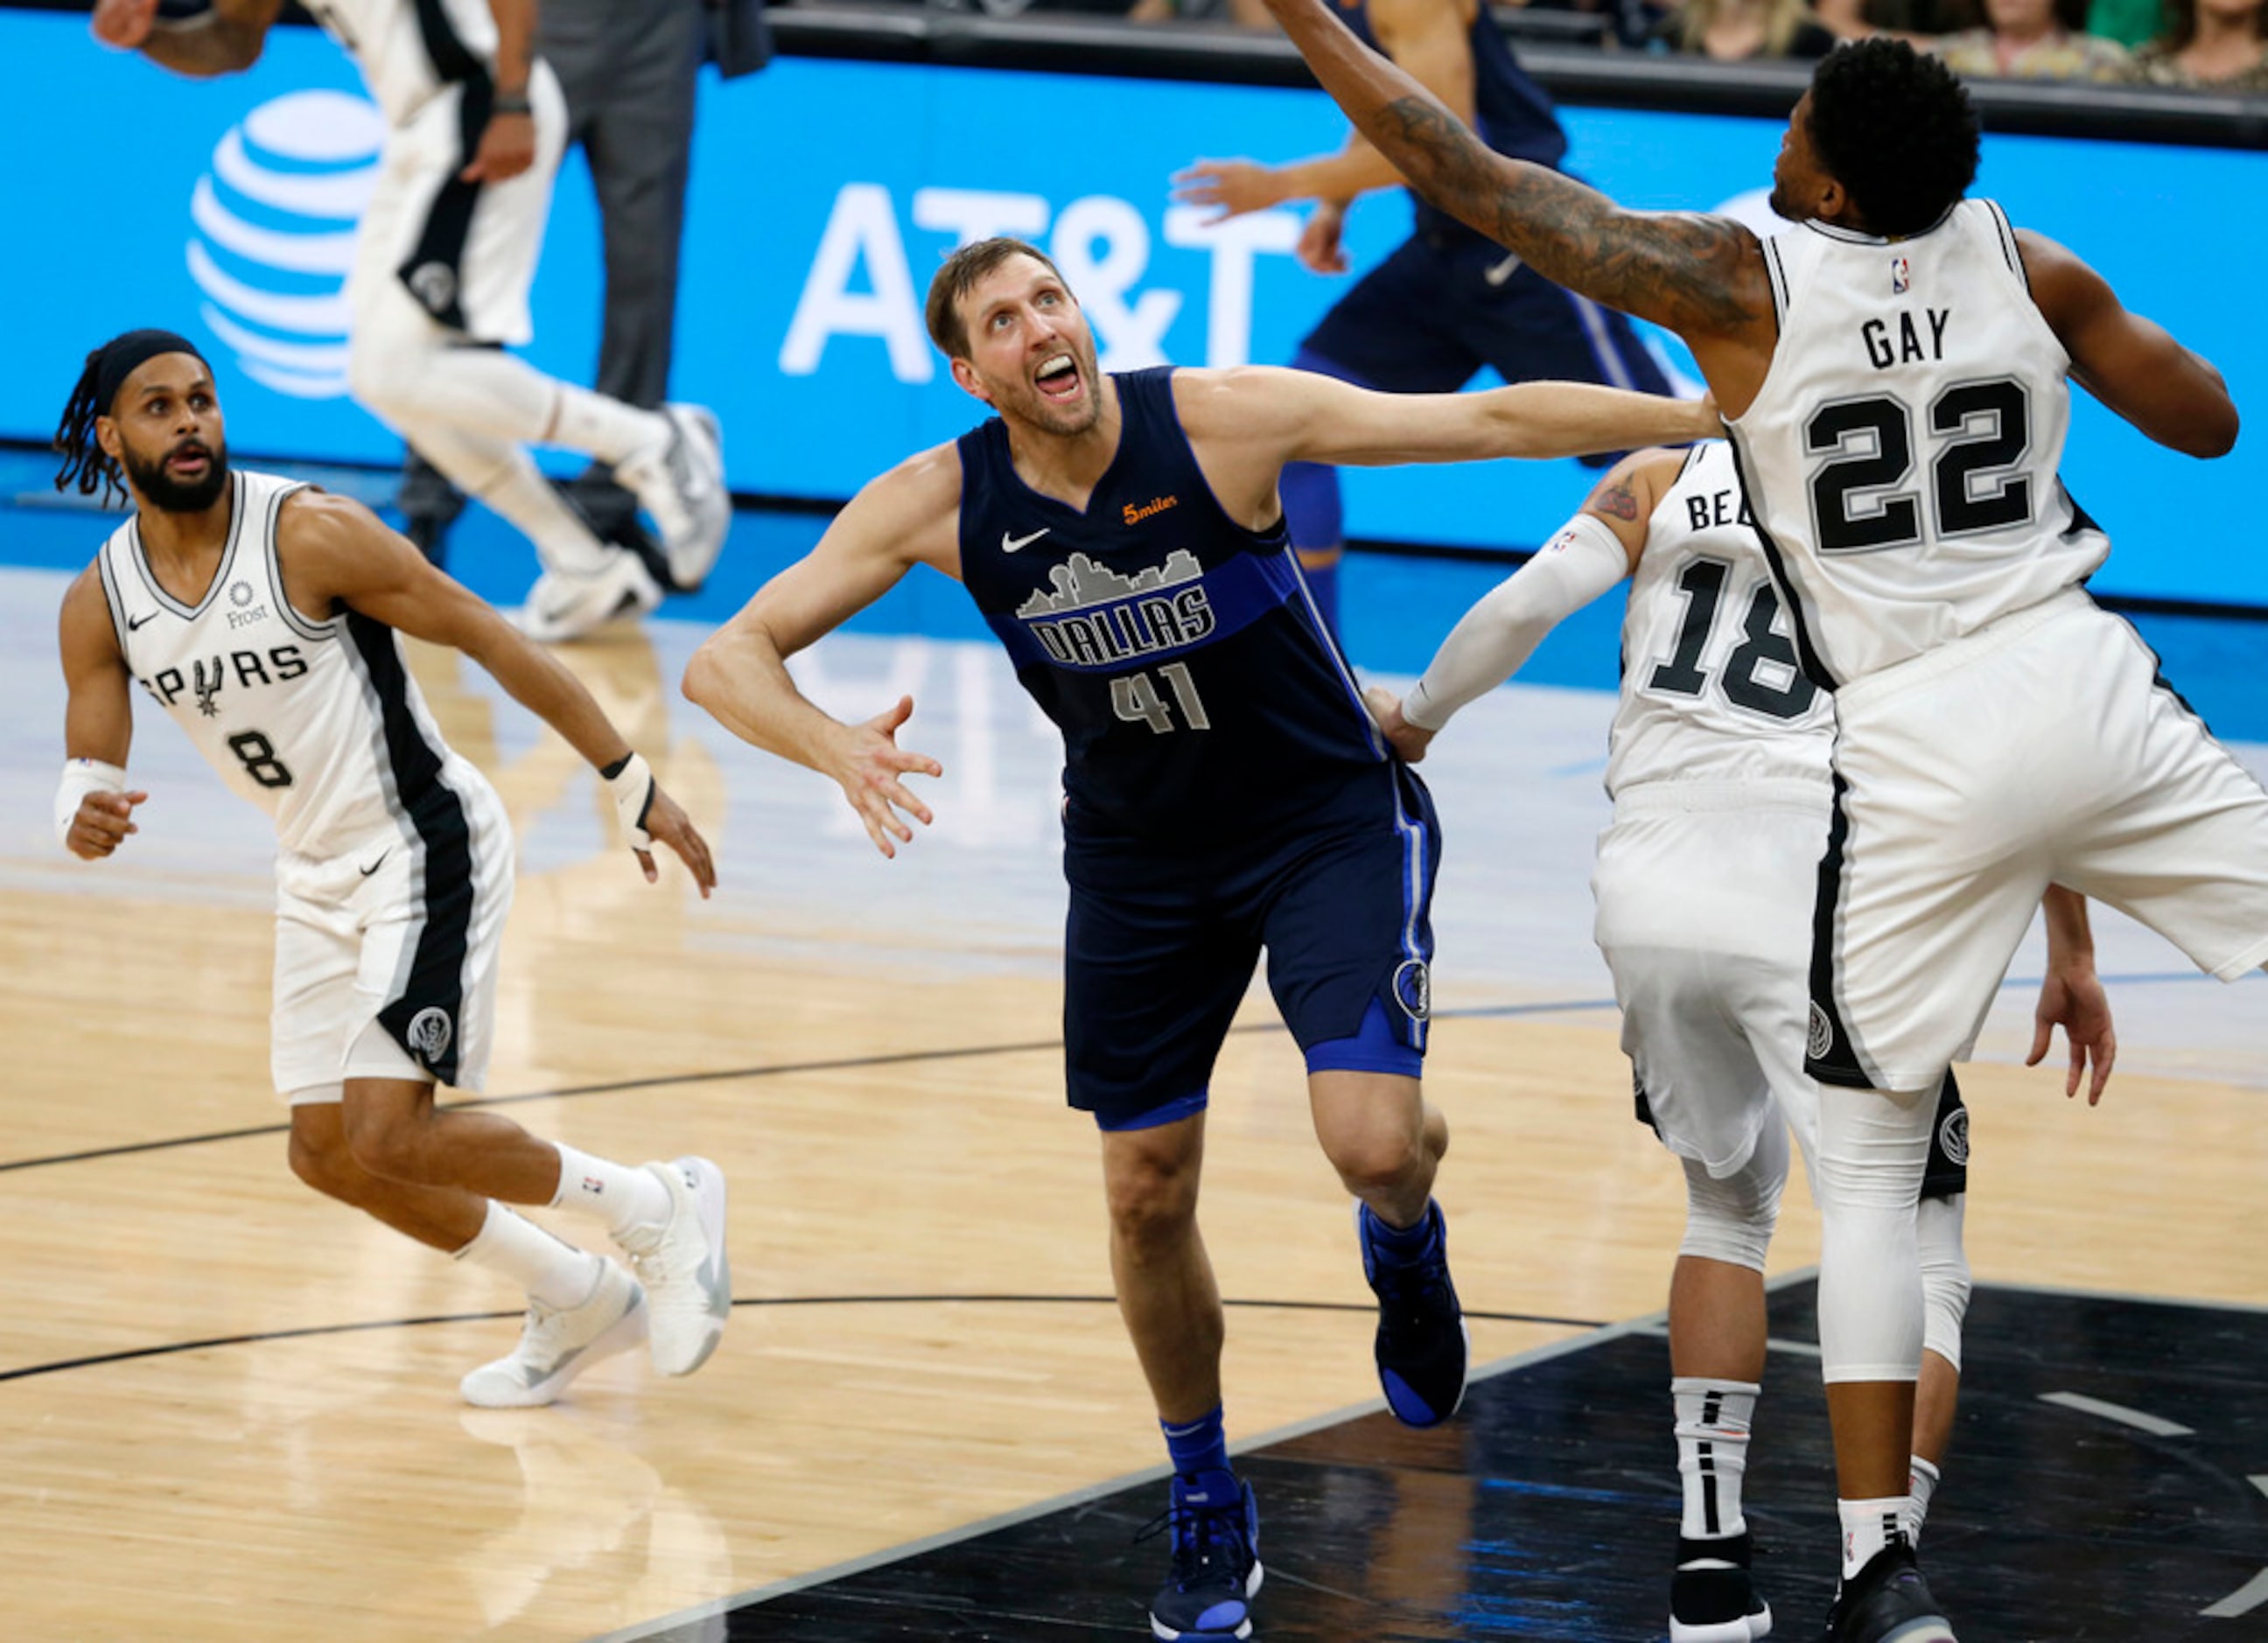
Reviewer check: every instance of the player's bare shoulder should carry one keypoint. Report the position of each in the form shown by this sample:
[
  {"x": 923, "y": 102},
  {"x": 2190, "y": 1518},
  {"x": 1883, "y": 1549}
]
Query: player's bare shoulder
[
  {"x": 83, "y": 626},
  {"x": 911, "y": 512}
]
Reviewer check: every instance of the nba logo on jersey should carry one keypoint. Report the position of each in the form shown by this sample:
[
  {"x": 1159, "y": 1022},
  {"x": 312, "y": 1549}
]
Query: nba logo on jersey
[{"x": 1901, "y": 277}]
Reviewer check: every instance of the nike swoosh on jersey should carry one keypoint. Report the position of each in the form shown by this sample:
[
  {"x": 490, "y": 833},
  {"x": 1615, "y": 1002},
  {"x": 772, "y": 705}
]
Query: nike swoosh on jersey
[
  {"x": 1496, "y": 273},
  {"x": 375, "y": 865},
  {"x": 133, "y": 622},
  {"x": 1010, "y": 544}
]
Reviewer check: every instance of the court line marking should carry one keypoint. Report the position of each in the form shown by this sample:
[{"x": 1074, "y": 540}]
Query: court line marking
[
  {"x": 2242, "y": 1601},
  {"x": 617, "y": 1087},
  {"x": 129, "y": 1354},
  {"x": 2141, "y": 1420}
]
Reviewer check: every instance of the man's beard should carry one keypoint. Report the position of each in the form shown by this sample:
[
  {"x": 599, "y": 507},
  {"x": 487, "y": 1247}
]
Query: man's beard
[{"x": 169, "y": 495}]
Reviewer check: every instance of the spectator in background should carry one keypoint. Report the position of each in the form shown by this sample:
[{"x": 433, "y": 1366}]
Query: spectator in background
[
  {"x": 1917, "y": 21},
  {"x": 1736, "y": 31},
  {"x": 2033, "y": 39},
  {"x": 2213, "y": 44},
  {"x": 2131, "y": 23},
  {"x": 1243, "y": 13},
  {"x": 627, "y": 68}
]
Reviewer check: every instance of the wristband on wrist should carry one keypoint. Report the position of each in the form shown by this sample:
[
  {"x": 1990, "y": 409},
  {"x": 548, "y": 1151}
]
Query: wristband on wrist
[{"x": 511, "y": 103}]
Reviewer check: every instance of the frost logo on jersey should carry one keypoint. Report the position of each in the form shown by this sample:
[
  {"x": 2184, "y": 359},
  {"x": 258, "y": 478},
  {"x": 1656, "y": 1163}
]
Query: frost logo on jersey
[
  {"x": 275, "y": 219},
  {"x": 1953, "y": 1136},
  {"x": 1821, "y": 1038},
  {"x": 1901, "y": 277},
  {"x": 429, "y": 1033},
  {"x": 1097, "y": 617},
  {"x": 1413, "y": 989}
]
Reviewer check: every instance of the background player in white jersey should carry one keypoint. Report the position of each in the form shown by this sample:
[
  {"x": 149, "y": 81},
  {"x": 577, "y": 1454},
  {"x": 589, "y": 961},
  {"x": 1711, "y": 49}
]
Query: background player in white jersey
[
  {"x": 1895, "y": 375},
  {"x": 263, "y": 616},
  {"x": 444, "y": 258},
  {"x": 1718, "y": 770}
]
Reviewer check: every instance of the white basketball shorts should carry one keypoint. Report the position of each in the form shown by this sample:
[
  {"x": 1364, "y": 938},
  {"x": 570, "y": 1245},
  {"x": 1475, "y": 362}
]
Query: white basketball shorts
[
  {"x": 1704, "y": 892},
  {"x": 385, "y": 956},
  {"x": 501, "y": 243},
  {"x": 2043, "y": 748}
]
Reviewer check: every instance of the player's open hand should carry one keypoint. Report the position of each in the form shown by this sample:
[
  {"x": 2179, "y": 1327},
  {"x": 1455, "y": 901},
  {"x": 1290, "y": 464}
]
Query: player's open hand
[
  {"x": 102, "y": 823},
  {"x": 1408, "y": 740},
  {"x": 507, "y": 149},
  {"x": 1321, "y": 249},
  {"x": 2075, "y": 1000},
  {"x": 124, "y": 24},
  {"x": 869, "y": 763},
  {"x": 668, "y": 824},
  {"x": 1236, "y": 186}
]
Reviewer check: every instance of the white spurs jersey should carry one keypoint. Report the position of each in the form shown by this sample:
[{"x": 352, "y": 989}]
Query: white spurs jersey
[
  {"x": 1712, "y": 688},
  {"x": 318, "y": 723},
  {"x": 1902, "y": 455},
  {"x": 404, "y": 60}
]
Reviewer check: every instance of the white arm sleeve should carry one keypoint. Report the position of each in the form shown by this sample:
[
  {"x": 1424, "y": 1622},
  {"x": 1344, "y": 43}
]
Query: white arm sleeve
[{"x": 1498, "y": 635}]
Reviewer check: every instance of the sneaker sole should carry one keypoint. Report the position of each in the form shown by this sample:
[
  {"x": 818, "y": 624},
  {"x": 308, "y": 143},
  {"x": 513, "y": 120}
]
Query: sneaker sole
[
  {"x": 1743, "y": 1631},
  {"x": 1167, "y": 1634},
  {"x": 1935, "y": 1629},
  {"x": 618, "y": 1337}
]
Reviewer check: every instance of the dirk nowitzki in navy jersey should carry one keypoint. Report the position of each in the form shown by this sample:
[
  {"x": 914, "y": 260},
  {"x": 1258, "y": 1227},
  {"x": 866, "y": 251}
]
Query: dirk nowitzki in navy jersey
[{"x": 1199, "y": 700}]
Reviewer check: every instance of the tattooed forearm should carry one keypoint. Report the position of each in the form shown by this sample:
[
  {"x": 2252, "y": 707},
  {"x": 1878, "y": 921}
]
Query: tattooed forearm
[{"x": 1683, "y": 271}]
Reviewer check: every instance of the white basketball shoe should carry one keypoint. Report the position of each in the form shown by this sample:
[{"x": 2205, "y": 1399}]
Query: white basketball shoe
[
  {"x": 561, "y": 606},
  {"x": 682, "y": 1263},
  {"x": 680, "y": 482},
  {"x": 558, "y": 1343}
]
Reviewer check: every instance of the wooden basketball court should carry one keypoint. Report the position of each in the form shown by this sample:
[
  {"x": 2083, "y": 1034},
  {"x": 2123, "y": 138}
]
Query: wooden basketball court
[{"x": 228, "y": 1409}]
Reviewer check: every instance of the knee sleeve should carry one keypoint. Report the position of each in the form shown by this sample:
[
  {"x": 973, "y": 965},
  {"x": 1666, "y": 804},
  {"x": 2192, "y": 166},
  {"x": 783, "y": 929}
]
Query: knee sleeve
[
  {"x": 1731, "y": 1219},
  {"x": 1945, "y": 1282},
  {"x": 1873, "y": 1146}
]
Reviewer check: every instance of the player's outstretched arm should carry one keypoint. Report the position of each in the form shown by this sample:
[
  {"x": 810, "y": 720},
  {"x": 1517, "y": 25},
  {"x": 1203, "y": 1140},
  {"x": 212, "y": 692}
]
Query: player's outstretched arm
[
  {"x": 95, "y": 812},
  {"x": 1268, "y": 415},
  {"x": 333, "y": 551},
  {"x": 1701, "y": 276},
  {"x": 1493, "y": 640},
  {"x": 909, "y": 516},
  {"x": 223, "y": 38},
  {"x": 2072, "y": 997},
  {"x": 2130, "y": 364}
]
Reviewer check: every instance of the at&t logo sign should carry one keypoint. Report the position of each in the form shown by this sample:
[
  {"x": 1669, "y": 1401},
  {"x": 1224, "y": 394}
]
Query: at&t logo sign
[{"x": 274, "y": 218}]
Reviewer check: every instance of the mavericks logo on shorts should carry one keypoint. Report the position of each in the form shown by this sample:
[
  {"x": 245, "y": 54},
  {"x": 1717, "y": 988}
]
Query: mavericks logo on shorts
[
  {"x": 1413, "y": 990},
  {"x": 429, "y": 1033},
  {"x": 1821, "y": 1038},
  {"x": 1952, "y": 1138}
]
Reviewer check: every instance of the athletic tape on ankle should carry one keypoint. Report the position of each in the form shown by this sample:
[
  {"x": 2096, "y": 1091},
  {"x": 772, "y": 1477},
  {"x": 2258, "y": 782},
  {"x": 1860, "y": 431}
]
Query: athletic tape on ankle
[
  {"x": 632, "y": 787},
  {"x": 82, "y": 777}
]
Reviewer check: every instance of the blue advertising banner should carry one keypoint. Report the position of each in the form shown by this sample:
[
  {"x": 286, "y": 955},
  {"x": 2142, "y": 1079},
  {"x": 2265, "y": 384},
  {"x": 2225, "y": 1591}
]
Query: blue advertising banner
[{"x": 825, "y": 192}]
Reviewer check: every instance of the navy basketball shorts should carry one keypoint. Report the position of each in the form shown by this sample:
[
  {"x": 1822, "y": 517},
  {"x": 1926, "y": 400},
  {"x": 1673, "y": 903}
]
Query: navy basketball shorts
[
  {"x": 1161, "y": 943},
  {"x": 1442, "y": 307}
]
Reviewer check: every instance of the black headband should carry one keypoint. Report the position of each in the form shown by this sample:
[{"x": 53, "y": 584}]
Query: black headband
[{"x": 122, "y": 356}]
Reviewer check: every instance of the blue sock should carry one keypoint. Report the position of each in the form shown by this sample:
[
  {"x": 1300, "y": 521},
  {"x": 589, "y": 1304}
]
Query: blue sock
[
  {"x": 1401, "y": 1245},
  {"x": 1198, "y": 1448}
]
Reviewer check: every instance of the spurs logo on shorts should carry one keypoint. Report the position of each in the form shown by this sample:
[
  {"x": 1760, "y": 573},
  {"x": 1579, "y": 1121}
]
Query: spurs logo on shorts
[
  {"x": 1821, "y": 1038},
  {"x": 434, "y": 285},
  {"x": 1413, "y": 989},
  {"x": 429, "y": 1033},
  {"x": 1953, "y": 1135}
]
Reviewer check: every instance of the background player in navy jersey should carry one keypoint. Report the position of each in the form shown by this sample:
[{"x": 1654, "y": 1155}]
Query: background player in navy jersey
[
  {"x": 263, "y": 617},
  {"x": 1896, "y": 372},
  {"x": 1225, "y": 791},
  {"x": 1448, "y": 302}
]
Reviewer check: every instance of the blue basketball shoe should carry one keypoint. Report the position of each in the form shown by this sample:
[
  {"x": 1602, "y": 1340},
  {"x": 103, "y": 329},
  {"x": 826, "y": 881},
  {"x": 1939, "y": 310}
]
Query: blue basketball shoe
[
  {"x": 1207, "y": 1596},
  {"x": 1421, "y": 1345}
]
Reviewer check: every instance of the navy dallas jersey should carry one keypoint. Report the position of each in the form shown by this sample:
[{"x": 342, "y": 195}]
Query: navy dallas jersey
[{"x": 1199, "y": 698}]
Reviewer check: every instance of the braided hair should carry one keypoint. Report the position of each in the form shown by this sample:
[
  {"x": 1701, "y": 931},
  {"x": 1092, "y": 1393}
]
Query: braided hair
[{"x": 86, "y": 465}]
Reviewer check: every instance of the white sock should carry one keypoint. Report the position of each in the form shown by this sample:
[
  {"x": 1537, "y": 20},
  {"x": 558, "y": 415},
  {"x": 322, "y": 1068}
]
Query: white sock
[
  {"x": 1921, "y": 1484},
  {"x": 547, "y": 1267},
  {"x": 505, "y": 477},
  {"x": 621, "y": 1197},
  {"x": 1713, "y": 1418},
  {"x": 606, "y": 429},
  {"x": 1868, "y": 1526}
]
